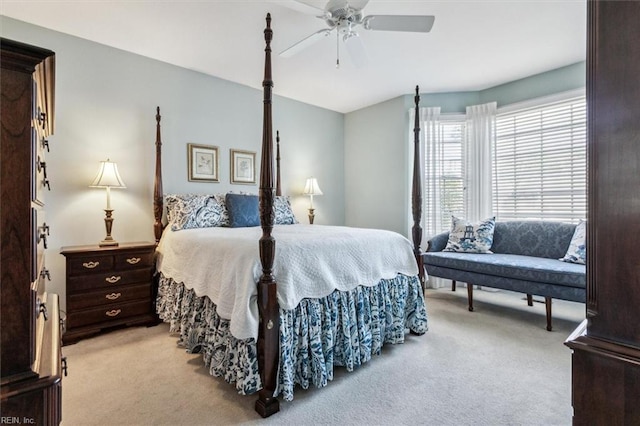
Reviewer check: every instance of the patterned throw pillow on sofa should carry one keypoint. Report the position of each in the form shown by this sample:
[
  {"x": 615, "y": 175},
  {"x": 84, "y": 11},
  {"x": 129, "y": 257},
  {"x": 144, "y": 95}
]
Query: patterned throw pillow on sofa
[
  {"x": 577, "y": 251},
  {"x": 467, "y": 237}
]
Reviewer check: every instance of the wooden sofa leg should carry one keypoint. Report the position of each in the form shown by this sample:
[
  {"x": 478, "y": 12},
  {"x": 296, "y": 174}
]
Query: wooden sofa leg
[
  {"x": 529, "y": 299},
  {"x": 470, "y": 296},
  {"x": 453, "y": 285},
  {"x": 547, "y": 304}
]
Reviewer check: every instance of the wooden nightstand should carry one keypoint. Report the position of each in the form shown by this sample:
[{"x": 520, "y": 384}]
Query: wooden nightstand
[{"x": 108, "y": 287}]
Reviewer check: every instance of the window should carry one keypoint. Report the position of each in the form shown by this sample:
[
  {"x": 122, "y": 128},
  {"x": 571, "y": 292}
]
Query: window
[
  {"x": 445, "y": 176},
  {"x": 539, "y": 162}
]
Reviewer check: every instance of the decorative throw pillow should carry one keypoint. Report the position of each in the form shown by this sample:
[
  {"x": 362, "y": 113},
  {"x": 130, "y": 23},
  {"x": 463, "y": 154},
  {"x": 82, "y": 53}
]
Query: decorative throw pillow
[
  {"x": 284, "y": 214},
  {"x": 577, "y": 251},
  {"x": 467, "y": 237},
  {"x": 185, "y": 211},
  {"x": 243, "y": 210},
  {"x": 221, "y": 199}
]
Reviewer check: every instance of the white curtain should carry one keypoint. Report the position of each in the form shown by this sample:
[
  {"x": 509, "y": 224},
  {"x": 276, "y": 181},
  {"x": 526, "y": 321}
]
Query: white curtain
[
  {"x": 478, "y": 153},
  {"x": 431, "y": 141}
]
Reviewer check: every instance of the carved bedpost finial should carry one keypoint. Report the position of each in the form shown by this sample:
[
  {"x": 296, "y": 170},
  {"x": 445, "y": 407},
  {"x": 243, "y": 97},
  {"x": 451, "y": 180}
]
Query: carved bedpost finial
[{"x": 268, "y": 33}]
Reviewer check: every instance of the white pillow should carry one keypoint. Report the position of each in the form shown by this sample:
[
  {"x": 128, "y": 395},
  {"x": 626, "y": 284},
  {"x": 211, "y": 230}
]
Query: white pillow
[
  {"x": 577, "y": 251},
  {"x": 467, "y": 237}
]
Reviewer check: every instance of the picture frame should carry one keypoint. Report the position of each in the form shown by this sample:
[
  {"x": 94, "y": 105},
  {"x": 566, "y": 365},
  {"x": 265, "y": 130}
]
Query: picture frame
[
  {"x": 243, "y": 167},
  {"x": 203, "y": 163}
]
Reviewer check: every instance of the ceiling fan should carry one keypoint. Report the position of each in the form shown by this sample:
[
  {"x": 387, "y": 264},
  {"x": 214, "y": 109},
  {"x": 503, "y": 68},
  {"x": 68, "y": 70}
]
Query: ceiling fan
[{"x": 345, "y": 17}]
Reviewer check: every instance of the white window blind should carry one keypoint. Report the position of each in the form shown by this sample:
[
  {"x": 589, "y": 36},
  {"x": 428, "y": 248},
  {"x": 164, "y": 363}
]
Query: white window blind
[
  {"x": 448, "y": 195},
  {"x": 540, "y": 162}
]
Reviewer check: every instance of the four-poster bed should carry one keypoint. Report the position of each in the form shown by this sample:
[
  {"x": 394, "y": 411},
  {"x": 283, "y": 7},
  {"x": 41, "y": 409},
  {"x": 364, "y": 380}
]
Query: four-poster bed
[{"x": 333, "y": 296}]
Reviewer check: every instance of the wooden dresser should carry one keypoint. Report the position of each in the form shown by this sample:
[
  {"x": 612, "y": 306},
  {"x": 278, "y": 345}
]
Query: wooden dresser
[
  {"x": 108, "y": 287},
  {"x": 30, "y": 327}
]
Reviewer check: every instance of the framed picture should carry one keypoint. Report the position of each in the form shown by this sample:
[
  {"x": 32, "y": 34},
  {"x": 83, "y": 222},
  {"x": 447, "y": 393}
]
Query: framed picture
[
  {"x": 203, "y": 163},
  {"x": 243, "y": 167}
]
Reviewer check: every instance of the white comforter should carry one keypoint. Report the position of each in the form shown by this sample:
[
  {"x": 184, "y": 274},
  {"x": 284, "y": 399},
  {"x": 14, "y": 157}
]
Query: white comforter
[{"x": 311, "y": 262}]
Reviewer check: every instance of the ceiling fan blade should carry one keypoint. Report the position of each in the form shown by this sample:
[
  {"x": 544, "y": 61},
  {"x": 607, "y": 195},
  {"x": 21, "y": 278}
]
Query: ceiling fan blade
[
  {"x": 304, "y": 43},
  {"x": 357, "y": 51},
  {"x": 411, "y": 23}
]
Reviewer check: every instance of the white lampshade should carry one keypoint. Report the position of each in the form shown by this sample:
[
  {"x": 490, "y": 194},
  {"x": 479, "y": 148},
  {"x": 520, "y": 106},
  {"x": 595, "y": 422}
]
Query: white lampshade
[
  {"x": 312, "y": 187},
  {"x": 108, "y": 176}
]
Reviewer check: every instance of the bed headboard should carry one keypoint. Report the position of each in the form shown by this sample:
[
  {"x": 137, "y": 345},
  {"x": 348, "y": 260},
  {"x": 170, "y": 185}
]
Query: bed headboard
[{"x": 158, "y": 196}]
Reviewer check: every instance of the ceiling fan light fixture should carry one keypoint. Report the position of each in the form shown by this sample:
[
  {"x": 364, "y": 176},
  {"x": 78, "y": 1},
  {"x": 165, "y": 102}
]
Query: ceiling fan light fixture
[{"x": 344, "y": 16}]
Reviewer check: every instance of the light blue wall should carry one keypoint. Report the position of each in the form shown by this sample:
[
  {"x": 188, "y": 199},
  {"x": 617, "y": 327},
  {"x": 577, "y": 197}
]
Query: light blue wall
[
  {"x": 383, "y": 136},
  {"x": 376, "y": 151},
  {"x": 556, "y": 81},
  {"x": 105, "y": 107}
]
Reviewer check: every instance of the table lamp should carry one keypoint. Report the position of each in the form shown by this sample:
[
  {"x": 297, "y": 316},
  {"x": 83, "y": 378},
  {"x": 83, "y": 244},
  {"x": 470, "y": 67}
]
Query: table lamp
[
  {"x": 108, "y": 177},
  {"x": 311, "y": 188}
]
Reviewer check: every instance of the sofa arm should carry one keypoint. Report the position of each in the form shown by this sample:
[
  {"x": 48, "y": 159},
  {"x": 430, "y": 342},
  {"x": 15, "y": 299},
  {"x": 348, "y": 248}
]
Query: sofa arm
[{"x": 438, "y": 242}]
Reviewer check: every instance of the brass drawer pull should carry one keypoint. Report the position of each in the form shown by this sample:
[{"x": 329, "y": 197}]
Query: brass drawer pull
[
  {"x": 90, "y": 265},
  {"x": 133, "y": 260},
  {"x": 113, "y": 313},
  {"x": 113, "y": 296},
  {"x": 113, "y": 279}
]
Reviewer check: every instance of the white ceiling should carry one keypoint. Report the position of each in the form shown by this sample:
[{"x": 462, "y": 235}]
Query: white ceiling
[{"x": 473, "y": 45}]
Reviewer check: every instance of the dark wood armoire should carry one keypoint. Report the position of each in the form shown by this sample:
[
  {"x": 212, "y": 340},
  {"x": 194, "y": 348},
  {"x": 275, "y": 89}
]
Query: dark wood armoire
[
  {"x": 606, "y": 347},
  {"x": 30, "y": 328}
]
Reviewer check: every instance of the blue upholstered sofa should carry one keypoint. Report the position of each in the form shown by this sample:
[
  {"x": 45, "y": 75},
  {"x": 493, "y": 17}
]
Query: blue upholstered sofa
[{"x": 525, "y": 259}]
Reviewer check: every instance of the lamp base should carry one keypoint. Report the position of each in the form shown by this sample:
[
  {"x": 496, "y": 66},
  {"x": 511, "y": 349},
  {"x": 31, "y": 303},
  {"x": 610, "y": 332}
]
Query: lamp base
[
  {"x": 108, "y": 243},
  {"x": 311, "y": 216},
  {"x": 108, "y": 223}
]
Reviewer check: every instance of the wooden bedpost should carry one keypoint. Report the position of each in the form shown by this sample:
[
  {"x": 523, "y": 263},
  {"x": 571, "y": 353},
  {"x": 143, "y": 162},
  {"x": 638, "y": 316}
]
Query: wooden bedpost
[
  {"x": 157, "y": 185},
  {"x": 416, "y": 189},
  {"x": 278, "y": 186},
  {"x": 269, "y": 329}
]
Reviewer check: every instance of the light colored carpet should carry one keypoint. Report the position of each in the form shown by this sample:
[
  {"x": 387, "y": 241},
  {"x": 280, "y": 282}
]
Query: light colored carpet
[{"x": 495, "y": 366}]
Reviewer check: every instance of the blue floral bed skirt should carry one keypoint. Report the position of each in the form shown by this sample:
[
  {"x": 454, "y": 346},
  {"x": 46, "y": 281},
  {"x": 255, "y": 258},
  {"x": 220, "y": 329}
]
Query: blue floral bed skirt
[{"x": 344, "y": 329}]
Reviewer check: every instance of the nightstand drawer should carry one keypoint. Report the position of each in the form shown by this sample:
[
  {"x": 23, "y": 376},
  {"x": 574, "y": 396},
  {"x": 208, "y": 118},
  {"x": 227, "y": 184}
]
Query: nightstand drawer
[
  {"x": 108, "y": 296},
  {"x": 89, "y": 264},
  {"x": 111, "y": 279},
  {"x": 107, "y": 313},
  {"x": 134, "y": 260}
]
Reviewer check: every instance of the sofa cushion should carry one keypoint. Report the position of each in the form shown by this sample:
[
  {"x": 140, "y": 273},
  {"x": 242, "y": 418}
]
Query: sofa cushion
[
  {"x": 511, "y": 266},
  {"x": 533, "y": 238}
]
